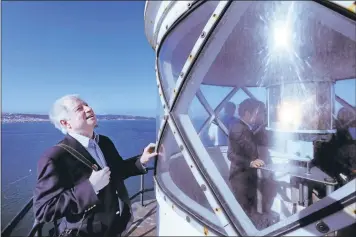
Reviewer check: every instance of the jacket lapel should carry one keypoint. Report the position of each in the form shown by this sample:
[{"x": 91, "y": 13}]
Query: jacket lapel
[{"x": 72, "y": 142}]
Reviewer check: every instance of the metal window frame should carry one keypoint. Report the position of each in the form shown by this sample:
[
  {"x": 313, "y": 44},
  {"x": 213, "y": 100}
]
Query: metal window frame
[
  {"x": 170, "y": 125},
  {"x": 214, "y": 203},
  {"x": 182, "y": 80},
  {"x": 196, "y": 148}
]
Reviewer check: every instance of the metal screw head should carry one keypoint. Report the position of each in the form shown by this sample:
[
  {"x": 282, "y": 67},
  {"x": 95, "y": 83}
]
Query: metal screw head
[
  {"x": 165, "y": 198},
  {"x": 181, "y": 74},
  {"x": 202, "y": 34},
  {"x": 189, "y": 4},
  {"x": 203, "y": 187},
  {"x": 187, "y": 218},
  {"x": 322, "y": 227},
  {"x": 181, "y": 147},
  {"x": 166, "y": 27}
]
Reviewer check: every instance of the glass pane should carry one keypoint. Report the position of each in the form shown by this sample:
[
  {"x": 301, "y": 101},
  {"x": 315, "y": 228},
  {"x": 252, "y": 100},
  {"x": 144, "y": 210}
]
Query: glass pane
[
  {"x": 346, "y": 116},
  {"x": 286, "y": 112},
  {"x": 159, "y": 115},
  {"x": 214, "y": 95},
  {"x": 174, "y": 174},
  {"x": 288, "y": 54},
  {"x": 178, "y": 45},
  {"x": 198, "y": 114}
]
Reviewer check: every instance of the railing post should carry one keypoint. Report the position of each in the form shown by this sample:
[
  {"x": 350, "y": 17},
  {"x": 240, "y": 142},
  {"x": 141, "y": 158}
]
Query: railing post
[{"x": 142, "y": 188}]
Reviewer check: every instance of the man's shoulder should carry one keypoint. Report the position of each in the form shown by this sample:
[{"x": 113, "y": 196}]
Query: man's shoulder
[
  {"x": 238, "y": 126},
  {"x": 52, "y": 153},
  {"x": 103, "y": 138}
]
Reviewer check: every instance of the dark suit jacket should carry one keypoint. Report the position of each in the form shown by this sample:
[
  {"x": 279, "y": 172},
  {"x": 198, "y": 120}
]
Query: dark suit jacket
[
  {"x": 63, "y": 189},
  {"x": 242, "y": 148}
]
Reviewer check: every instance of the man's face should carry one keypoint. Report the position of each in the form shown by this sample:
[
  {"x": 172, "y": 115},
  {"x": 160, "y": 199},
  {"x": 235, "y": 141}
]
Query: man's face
[
  {"x": 254, "y": 117},
  {"x": 261, "y": 117},
  {"x": 82, "y": 118}
]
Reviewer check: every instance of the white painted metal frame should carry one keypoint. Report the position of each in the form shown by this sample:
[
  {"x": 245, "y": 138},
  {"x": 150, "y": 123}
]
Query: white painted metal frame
[
  {"x": 173, "y": 208},
  {"x": 186, "y": 121},
  {"x": 199, "y": 178},
  {"x": 178, "y": 9},
  {"x": 179, "y": 113},
  {"x": 168, "y": 118}
]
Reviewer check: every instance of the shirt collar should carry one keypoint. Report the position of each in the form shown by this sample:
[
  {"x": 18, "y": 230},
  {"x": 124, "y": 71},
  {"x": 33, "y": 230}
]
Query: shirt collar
[
  {"x": 248, "y": 125},
  {"x": 83, "y": 139}
]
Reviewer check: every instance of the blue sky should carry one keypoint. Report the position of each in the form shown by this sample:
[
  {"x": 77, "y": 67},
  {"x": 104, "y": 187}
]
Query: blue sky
[{"x": 96, "y": 49}]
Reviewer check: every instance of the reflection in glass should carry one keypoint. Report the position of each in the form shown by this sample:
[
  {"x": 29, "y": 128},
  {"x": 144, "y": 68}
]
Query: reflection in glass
[
  {"x": 178, "y": 45},
  {"x": 159, "y": 115},
  {"x": 301, "y": 107},
  {"x": 174, "y": 174},
  {"x": 283, "y": 153}
]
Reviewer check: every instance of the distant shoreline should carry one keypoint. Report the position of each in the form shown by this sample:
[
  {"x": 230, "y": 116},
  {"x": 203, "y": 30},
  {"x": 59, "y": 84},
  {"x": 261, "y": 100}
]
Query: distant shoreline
[{"x": 26, "y": 118}]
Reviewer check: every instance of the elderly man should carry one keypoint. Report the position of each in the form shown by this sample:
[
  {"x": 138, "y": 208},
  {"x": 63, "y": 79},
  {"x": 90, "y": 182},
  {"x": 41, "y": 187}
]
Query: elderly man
[{"x": 90, "y": 197}]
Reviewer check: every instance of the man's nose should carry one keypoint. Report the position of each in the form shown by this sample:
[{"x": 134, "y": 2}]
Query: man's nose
[{"x": 88, "y": 109}]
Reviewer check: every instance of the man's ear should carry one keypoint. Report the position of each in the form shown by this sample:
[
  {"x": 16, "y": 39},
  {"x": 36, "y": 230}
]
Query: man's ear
[{"x": 64, "y": 123}]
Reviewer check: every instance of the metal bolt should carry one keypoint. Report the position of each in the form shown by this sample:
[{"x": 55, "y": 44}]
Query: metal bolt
[
  {"x": 181, "y": 74},
  {"x": 322, "y": 227},
  {"x": 203, "y": 187},
  {"x": 202, "y": 34},
  {"x": 165, "y": 198},
  {"x": 164, "y": 106},
  {"x": 189, "y": 4},
  {"x": 181, "y": 147},
  {"x": 187, "y": 218},
  {"x": 166, "y": 27}
]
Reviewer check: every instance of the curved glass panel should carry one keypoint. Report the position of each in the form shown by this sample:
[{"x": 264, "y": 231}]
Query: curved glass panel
[
  {"x": 159, "y": 115},
  {"x": 178, "y": 45},
  {"x": 274, "y": 67},
  {"x": 174, "y": 175}
]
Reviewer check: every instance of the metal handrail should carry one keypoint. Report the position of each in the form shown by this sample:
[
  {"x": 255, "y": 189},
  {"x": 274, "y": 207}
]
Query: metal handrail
[{"x": 37, "y": 228}]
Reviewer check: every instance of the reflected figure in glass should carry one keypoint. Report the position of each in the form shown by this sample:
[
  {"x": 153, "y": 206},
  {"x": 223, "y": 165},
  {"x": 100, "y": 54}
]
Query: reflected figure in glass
[
  {"x": 216, "y": 135},
  {"x": 243, "y": 154}
]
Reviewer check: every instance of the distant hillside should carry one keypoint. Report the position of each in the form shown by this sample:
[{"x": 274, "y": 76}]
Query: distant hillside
[{"x": 18, "y": 117}]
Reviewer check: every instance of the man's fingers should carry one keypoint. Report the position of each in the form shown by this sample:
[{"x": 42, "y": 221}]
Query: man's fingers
[
  {"x": 153, "y": 154},
  {"x": 260, "y": 162},
  {"x": 151, "y": 145}
]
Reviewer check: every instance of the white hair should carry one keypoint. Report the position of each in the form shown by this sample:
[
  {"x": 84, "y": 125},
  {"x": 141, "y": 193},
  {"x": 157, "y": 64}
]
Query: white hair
[{"x": 59, "y": 111}]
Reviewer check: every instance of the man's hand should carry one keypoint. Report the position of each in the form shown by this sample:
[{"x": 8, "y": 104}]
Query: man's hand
[
  {"x": 99, "y": 179},
  {"x": 257, "y": 163},
  {"x": 148, "y": 153}
]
